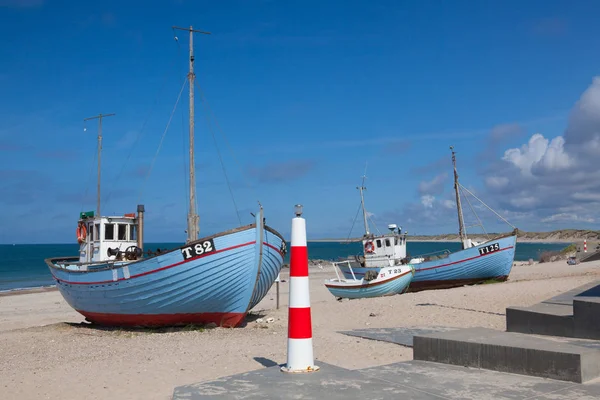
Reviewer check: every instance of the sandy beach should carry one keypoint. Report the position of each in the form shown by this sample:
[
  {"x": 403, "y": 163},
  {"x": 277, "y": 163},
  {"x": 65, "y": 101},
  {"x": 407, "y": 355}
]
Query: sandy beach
[{"x": 47, "y": 353}]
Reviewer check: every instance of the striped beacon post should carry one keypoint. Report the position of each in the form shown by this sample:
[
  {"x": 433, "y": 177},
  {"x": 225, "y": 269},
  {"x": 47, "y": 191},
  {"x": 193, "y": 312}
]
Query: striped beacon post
[
  {"x": 585, "y": 245},
  {"x": 300, "y": 345}
]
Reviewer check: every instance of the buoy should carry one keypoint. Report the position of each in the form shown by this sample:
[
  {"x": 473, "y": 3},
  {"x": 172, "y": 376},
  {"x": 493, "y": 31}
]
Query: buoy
[{"x": 300, "y": 346}]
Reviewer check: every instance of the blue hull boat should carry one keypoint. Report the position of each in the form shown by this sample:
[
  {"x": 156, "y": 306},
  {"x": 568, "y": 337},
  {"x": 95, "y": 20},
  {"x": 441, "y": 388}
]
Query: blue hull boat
[
  {"x": 215, "y": 279},
  {"x": 389, "y": 281},
  {"x": 232, "y": 274},
  {"x": 475, "y": 263},
  {"x": 490, "y": 260}
]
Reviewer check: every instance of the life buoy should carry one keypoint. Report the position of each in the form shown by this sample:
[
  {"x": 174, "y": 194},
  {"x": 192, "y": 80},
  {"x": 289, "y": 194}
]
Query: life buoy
[
  {"x": 369, "y": 247},
  {"x": 81, "y": 233}
]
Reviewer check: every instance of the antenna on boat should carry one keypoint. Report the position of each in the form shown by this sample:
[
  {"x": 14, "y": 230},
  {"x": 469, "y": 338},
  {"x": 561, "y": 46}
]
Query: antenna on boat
[
  {"x": 193, "y": 218},
  {"x": 99, "y": 117},
  {"x": 362, "y": 201},
  {"x": 461, "y": 223}
]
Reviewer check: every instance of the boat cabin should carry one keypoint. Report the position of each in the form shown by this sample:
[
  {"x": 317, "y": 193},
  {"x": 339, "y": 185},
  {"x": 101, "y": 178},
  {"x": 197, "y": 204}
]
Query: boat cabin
[
  {"x": 111, "y": 238},
  {"x": 385, "y": 250}
]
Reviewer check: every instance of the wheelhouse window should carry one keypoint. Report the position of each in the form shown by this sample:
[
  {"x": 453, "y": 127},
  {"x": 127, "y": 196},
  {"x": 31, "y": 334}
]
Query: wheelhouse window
[
  {"x": 109, "y": 231},
  {"x": 387, "y": 242},
  {"x": 90, "y": 229},
  {"x": 122, "y": 232},
  {"x": 378, "y": 243},
  {"x": 96, "y": 232},
  {"x": 132, "y": 232},
  {"x": 396, "y": 241}
]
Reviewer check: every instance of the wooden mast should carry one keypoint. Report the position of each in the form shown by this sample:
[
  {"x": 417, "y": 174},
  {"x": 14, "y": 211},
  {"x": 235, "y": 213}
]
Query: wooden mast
[
  {"x": 362, "y": 202},
  {"x": 461, "y": 224},
  {"x": 193, "y": 219},
  {"x": 99, "y": 117}
]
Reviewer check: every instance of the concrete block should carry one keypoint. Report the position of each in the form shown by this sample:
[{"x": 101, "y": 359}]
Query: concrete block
[
  {"x": 509, "y": 352},
  {"x": 541, "y": 319},
  {"x": 586, "y": 311}
]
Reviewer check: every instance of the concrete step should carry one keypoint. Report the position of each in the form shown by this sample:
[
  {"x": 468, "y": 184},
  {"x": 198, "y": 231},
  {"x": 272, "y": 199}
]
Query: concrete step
[
  {"x": 586, "y": 312},
  {"x": 575, "y": 313},
  {"x": 541, "y": 319},
  {"x": 517, "y": 353}
]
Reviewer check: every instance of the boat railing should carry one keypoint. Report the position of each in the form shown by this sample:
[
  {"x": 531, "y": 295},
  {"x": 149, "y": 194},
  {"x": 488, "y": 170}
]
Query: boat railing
[
  {"x": 64, "y": 262},
  {"x": 444, "y": 252},
  {"x": 336, "y": 267}
]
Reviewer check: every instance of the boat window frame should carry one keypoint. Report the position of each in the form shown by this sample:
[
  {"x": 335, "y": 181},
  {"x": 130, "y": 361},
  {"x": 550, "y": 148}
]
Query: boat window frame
[
  {"x": 97, "y": 231},
  {"x": 105, "y": 226},
  {"x": 133, "y": 232},
  {"x": 126, "y": 236}
]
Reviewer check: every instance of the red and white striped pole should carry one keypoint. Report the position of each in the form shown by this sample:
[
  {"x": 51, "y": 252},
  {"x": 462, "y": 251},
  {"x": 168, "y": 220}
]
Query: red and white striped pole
[
  {"x": 585, "y": 245},
  {"x": 300, "y": 346}
]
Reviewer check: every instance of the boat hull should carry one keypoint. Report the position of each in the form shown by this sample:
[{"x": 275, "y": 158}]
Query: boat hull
[
  {"x": 383, "y": 286},
  {"x": 180, "y": 286},
  {"x": 464, "y": 267}
]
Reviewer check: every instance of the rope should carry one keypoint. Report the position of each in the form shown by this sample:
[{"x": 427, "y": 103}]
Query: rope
[
  {"x": 208, "y": 119},
  {"x": 161, "y": 140}
]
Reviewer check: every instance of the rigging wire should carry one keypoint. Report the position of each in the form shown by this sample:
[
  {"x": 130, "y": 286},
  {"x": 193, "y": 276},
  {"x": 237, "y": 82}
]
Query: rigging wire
[
  {"x": 353, "y": 222},
  {"x": 473, "y": 210},
  {"x": 161, "y": 140},
  {"x": 185, "y": 153},
  {"x": 208, "y": 119},
  {"x": 139, "y": 135},
  {"x": 488, "y": 207},
  {"x": 91, "y": 174},
  {"x": 227, "y": 142}
]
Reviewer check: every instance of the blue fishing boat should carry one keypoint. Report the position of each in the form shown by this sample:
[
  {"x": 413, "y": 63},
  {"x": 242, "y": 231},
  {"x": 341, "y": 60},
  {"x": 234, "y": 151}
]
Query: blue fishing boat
[
  {"x": 214, "y": 279},
  {"x": 386, "y": 282},
  {"x": 474, "y": 263}
]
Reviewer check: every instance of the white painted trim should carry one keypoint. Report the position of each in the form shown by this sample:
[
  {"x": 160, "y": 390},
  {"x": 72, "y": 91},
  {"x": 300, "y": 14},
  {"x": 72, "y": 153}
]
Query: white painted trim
[
  {"x": 298, "y": 232},
  {"x": 299, "y": 292}
]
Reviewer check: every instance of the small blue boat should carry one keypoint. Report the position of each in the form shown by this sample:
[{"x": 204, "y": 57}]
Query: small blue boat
[
  {"x": 387, "y": 282},
  {"x": 214, "y": 279},
  {"x": 475, "y": 263}
]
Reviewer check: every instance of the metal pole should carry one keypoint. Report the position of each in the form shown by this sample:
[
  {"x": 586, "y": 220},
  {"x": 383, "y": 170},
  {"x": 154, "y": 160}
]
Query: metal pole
[
  {"x": 277, "y": 294},
  {"x": 99, "y": 117}
]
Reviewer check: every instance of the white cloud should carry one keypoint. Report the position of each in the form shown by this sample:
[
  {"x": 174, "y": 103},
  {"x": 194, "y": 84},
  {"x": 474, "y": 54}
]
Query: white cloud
[
  {"x": 539, "y": 153},
  {"x": 567, "y": 217},
  {"x": 427, "y": 201},
  {"x": 449, "y": 204},
  {"x": 546, "y": 176},
  {"x": 434, "y": 186},
  {"x": 496, "y": 182}
]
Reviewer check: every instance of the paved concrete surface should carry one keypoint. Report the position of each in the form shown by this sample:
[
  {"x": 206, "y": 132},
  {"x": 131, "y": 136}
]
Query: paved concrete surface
[
  {"x": 401, "y": 336},
  {"x": 416, "y": 380}
]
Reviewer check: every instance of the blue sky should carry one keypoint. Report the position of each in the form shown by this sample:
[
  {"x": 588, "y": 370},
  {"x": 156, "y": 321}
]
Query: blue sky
[{"x": 303, "y": 95}]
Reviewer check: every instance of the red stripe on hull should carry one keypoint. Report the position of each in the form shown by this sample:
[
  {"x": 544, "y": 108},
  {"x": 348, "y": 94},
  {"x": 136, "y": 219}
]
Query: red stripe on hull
[
  {"x": 299, "y": 261},
  {"x": 299, "y": 325},
  {"x": 461, "y": 261},
  {"x": 226, "y": 320},
  {"x": 159, "y": 269},
  {"x": 430, "y": 285}
]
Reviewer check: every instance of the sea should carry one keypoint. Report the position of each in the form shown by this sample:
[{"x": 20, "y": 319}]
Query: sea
[{"x": 22, "y": 266}]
